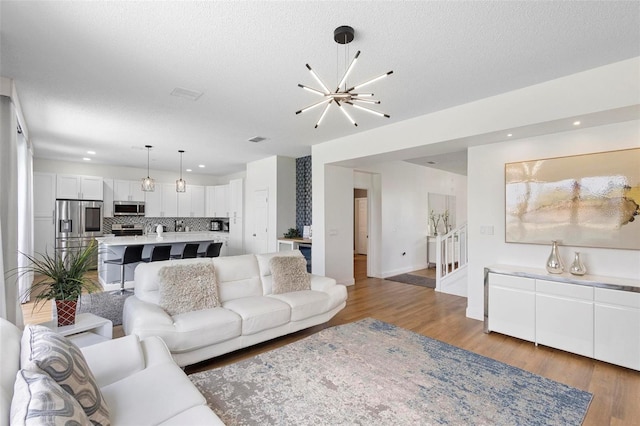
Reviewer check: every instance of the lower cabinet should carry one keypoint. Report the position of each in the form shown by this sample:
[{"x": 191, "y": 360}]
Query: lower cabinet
[
  {"x": 567, "y": 313},
  {"x": 564, "y": 316},
  {"x": 617, "y": 327}
]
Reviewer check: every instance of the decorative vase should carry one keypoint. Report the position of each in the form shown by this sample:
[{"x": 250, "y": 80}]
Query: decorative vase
[
  {"x": 554, "y": 263},
  {"x": 577, "y": 267},
  {"x": 66, "y": 312}
]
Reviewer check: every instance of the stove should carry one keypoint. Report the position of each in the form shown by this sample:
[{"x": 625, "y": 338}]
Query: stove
[{"x": 127, "y": 229}]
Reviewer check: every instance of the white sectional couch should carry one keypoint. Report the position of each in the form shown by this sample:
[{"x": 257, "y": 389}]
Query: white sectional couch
[
  {"x": 250, "y": 312},
  {"x": 140, "y": 382}
]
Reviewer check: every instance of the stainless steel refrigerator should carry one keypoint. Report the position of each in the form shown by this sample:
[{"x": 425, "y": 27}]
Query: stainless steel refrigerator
[{"x": 78, "y": 222}]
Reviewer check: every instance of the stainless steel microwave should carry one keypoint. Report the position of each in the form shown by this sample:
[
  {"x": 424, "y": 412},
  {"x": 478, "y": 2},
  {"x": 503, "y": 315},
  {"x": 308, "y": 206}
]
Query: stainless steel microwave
[{"x": 128, "y": 208}]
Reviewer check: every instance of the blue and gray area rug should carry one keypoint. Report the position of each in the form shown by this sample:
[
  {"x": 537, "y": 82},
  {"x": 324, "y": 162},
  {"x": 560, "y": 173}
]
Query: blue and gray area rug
[{"x": 373, "y": 373}]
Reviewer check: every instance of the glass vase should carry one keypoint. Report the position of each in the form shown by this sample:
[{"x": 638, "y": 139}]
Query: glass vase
[
  {"x": 554, "y": 263},
  {"x": 577, "y": 267}
]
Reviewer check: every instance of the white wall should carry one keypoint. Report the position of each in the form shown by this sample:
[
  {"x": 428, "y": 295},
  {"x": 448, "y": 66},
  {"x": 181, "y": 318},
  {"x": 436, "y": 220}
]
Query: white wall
[
  {"x": 486, "y": 199},
  {"x": 121, "y": 173},
  {"x": 277, "y": 176}
]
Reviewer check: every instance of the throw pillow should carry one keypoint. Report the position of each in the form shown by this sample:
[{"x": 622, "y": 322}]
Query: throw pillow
[
  {"x": 186, "y": 288},
  {"x": 39, "y": 400},
  {"x": 289, "y": 274},
  {"x": 63, "y": 361}
]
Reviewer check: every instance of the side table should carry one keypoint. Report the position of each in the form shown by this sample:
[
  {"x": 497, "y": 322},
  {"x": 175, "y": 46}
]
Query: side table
[{"x": 89, "y": 329}]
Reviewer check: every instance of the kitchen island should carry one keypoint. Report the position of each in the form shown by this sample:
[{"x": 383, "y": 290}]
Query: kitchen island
[{"x": 113, "y": 248}]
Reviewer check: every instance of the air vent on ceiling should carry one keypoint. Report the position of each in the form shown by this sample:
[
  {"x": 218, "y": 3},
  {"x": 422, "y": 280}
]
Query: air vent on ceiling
[
  {"x": 186, "y": 93},
  {"x": 257, "y": 139}
]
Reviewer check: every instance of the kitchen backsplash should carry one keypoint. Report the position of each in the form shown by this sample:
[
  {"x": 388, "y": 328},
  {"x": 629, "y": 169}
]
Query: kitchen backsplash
[{"x": 194, "y": 223}]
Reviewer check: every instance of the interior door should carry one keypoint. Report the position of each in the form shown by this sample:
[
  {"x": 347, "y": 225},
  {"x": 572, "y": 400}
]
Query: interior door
[
  {"x": 260, "y": 221},
  {"x": 362, "y": 227}
]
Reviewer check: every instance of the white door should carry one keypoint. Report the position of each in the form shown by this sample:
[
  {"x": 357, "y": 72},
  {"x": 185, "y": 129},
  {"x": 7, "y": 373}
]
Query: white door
[
  {"x": 361, "y": 225},
  {"x": 260, "y": 221}
]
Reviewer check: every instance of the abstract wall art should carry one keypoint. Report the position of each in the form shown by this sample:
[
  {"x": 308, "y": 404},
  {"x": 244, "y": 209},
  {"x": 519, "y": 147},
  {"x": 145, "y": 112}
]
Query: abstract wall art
[{"x": 590, "y": 200}]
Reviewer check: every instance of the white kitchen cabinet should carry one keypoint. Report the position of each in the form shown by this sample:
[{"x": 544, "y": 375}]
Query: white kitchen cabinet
[
  {"x": 564, "y": 316},
  {"x": 153, "y": 203},
  {"x": 512, "y": 306},
  {"x": 107, "y": 208},
  {"x": 236, "y": 236},
  {"x": 75, "y": 187},
  {"x": 127, "y": 190},
  {"x": 44, "y": 194},
  {"x": 617, "y": 327},
  {"x": 217, "y": 201},
  {"x": 43, "y": 235},
  {"x": 236, "y": 198},
  {"x": 169, "y": 200},
  {"x": 192, "y": 202}
]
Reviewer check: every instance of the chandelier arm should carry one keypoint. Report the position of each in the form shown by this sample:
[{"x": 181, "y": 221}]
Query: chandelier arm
[
  {"x": 348, "y": 71},
  {"x": 323, "y": 114},
  {"x": 378, "y": 113},
  {"x": 368, "y": 101},
  {"x": 312, "y": 90},
  {"x": 362, "y": 95},
  {"x": 346, "y": 114},
  {"x": 313, "y": 73},
  {"x": 370, "y": 81},
  {"x": 314, "y": 105}
]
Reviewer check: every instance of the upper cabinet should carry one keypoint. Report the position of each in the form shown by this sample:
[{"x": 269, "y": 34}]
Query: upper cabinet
[
  {"x": 236, "y": 198},
  {"x": 191, "y": 203},
  {"x": 217, "y": 200},
  {"x": 127, "y": 190},
  {"x": 74, "y": 187}
]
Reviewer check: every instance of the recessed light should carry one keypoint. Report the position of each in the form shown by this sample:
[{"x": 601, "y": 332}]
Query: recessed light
[
  {"x": 431, "y": 162},
  {"x": 91, "y": 152},
  {"x": 576, "y": 123},
  {"x": 189, "y": 170},
  {"x": 201, "y": 166},
  {"x": 256, "y": 139},
  {"x": 87, "y": 159},
  {"x": 509, "y": 135}
]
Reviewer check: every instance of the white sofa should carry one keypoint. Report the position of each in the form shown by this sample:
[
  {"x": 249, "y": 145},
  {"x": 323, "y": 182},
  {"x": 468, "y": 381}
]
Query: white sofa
[
  {"x": 140, "y": 382},
  {"x": 250, "y": 313}
]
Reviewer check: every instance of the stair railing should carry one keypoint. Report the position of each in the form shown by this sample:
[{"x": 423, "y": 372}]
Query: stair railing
[{"x": 451, "y": 252}]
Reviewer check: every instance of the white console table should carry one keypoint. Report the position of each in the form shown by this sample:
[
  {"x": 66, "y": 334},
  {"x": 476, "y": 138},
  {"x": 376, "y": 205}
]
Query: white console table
[
  {"x": 594, "y": 316},
  {"x": 88, "y": 329}
]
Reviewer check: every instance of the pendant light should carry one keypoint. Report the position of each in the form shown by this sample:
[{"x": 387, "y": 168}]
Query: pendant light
[
  {"x": 181, "y": 185},
  {"x": 148, "y": 184},
  {"x": 343, "y": 94}
]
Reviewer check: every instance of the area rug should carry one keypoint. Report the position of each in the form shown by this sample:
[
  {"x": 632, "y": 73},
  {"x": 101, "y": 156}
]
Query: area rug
[
  {"x": 413, "y": 279},
  {"x": 373, "y": 373},
  {"x": 104, "y": 304}
]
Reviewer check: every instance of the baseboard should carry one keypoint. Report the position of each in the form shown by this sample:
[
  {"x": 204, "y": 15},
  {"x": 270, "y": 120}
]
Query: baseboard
[{"x": 405, "y": 270}]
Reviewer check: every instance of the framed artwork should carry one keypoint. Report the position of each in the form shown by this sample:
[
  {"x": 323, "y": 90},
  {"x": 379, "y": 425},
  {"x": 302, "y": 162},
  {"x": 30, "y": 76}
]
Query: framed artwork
[{"x": 590, "y": 200}]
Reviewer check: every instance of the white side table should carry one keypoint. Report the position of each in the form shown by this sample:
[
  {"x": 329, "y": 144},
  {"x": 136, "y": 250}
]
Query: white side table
[{"x": 89, "y": 329}]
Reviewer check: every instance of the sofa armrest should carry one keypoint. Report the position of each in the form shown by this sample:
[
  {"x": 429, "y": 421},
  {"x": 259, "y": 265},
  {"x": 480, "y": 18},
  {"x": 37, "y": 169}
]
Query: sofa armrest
[
  {"x": 155, "y": 351},
  {"x": 114, "y": 360},
  {"x": 322, "y": 283},
  {"x": 144, "y": 318}
]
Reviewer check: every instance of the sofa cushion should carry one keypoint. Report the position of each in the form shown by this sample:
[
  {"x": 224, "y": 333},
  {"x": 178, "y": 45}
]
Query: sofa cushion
[
  {"x": 238, "y": 276},
  {"x": 259, "y": 313},
  {"x": 185, "y": 288},
  {"x": 197, "y": 329},
  {"x": 289, "y": 274},
  {"x": 63, "y": 361},
  {"x": 304, "y": 304},
  {"x": 40, "y": 400},
  {"x": 151, "y": 396}
]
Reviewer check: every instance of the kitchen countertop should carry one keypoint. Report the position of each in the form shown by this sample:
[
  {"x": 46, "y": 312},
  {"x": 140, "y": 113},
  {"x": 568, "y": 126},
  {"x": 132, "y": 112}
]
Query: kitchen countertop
[{"x": 167, "y": 238}]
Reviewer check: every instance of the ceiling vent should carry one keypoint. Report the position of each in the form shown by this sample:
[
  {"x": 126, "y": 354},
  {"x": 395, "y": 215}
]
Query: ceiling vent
[
  {"x": 257, "y": 139},
  {"x": 186, "y": 93}
]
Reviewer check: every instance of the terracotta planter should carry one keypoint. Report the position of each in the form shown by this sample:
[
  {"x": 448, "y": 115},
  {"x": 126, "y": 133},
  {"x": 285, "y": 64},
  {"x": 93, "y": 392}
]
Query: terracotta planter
[{"x": 66, "y": 312}]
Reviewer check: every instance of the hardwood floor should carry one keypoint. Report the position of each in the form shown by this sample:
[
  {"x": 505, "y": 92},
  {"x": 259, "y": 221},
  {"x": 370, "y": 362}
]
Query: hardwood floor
[{"x": 616, "y": 390}]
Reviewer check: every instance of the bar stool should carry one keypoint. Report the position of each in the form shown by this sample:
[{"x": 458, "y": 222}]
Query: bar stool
[
  {"x": 132, "y": 254},
  {"x": 158, "y": 253},
  {"x": 189, "y": 252},
  {"x": 213, "y": 250}
]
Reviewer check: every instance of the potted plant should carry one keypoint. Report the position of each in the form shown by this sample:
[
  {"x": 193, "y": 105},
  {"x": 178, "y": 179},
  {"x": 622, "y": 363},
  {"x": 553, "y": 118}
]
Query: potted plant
[{"x": 61, "y": 279}]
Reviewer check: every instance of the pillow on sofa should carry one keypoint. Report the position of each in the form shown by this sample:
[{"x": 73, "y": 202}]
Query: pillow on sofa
[
  {"x": 186, "y": 288},
  {"x": 289, "y": 274},
  {"x": 39, "y": 400},
  {"x": 63, "y": 361}
]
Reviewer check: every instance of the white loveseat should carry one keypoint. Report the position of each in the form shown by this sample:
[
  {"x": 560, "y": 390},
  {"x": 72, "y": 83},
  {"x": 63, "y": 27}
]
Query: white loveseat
[
  {"x": 140, "y": 382},
  {"x": 250, "y": 312}
]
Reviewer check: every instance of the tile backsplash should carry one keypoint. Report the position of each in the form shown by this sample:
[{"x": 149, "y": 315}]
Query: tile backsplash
[{"x": 194, "y": 223}]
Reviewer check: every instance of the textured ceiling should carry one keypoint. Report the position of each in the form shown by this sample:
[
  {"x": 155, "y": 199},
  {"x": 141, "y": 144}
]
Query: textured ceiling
[{"x": 97, "y": 75}]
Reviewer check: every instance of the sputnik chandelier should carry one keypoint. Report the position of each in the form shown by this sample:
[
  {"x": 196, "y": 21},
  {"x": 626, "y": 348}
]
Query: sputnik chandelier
[{"x": 343, "y": 95}]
